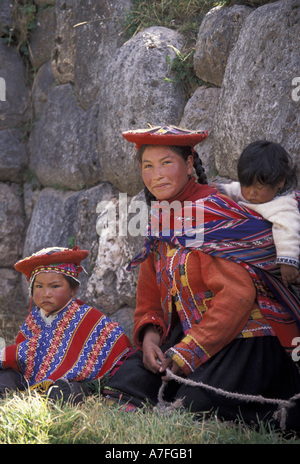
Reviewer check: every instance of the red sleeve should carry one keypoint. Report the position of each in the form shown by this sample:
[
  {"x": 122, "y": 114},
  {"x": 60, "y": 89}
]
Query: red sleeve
[
  {"x": 148, "y": 306},
  {"x": 230, "y": 308}
]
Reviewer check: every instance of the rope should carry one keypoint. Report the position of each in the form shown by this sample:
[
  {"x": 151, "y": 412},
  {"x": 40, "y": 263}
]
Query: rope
[{"x": 280, "y": 414}]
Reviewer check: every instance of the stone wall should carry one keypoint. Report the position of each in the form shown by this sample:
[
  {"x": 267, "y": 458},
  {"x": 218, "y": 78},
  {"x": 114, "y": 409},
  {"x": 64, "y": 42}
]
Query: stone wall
[{"x": 90, "y": 85}]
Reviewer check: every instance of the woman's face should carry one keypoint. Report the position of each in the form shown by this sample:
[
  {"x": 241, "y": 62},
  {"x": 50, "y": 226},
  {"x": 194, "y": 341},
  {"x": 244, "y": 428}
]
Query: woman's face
[
  {"x": 164, "y": 172},
  {"x": 51, "y": 291}
]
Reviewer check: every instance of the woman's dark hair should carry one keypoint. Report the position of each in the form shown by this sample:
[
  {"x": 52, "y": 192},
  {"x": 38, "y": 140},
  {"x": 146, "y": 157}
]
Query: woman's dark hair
[
  {"x": 267, "y": 163},
  {"x": 184, "y": 152}
]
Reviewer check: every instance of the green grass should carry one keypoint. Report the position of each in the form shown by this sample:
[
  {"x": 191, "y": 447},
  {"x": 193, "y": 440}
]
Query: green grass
[
  {"x": 185, "y": 16},
  {"x": 28, "y": 418}
]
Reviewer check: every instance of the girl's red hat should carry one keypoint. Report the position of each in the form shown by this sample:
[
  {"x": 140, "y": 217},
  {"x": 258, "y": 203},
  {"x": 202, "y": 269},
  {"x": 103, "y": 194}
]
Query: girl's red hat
[{"x": 51, "y": 256}]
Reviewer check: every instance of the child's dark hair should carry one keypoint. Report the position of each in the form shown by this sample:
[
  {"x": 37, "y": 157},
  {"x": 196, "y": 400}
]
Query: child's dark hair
[
  {"x": 72, "y": 282},
  {"x": 184, "y": 152},
  {"x": 267, "y": 163}
]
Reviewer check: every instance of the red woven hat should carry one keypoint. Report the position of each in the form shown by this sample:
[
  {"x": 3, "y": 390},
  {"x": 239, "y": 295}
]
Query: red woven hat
[
  {"x": 165, "y": 135},
  {"x": 51, "y": 256}
]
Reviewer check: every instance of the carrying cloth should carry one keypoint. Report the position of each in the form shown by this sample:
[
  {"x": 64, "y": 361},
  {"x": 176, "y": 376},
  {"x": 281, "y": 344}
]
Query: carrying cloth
[{"x": 232, "y": 232}]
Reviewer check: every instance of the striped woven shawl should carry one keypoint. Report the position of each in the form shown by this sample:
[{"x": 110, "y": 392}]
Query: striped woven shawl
[{"x": 219, "y": 226}]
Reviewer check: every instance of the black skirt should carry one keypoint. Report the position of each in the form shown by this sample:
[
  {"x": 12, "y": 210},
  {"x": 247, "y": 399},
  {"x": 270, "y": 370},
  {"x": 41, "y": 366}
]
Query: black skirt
[{"x": 252, "y": 366}]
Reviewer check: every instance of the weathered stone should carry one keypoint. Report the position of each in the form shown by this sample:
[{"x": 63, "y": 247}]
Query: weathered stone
[
  {"x": 217, "y": 35},
  {"x": 124, "y": 317},
  {"x": 81, "y": 148},
  {"x": 199, "y": 114},
  {"x": 87, "y": 35},
  {"x": 31, "y": 191},
  {"x": 5, "y": 16},
  {"x": 13, "y": 158},
  {"x": 67, "y": 219},
  {"x": 62, "y": 148},
  {"x": 97, "y": 39},
  {"x": 12, "y": 224},
  {"x": 110, "y": 286},
  {"x": 256, "y": 98},
  {"x": 45, "y": 2},
  {"x": 43, "y": 82},
  {"x": 10, "y": 281},
  {"x": 64, "y": 51},
  {"x": 52, "y": 220},
  {"x": 256, "y": 3},
  {"x": 14, "y": 111},
  {"x": 135, "y": 93},
  {"x": 42, "y": 40}
]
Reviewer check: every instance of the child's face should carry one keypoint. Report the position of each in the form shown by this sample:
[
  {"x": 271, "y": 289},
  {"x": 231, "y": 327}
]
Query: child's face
[
  {"x": 51, "y": 291},
  {"x": 258, "y": 193}
]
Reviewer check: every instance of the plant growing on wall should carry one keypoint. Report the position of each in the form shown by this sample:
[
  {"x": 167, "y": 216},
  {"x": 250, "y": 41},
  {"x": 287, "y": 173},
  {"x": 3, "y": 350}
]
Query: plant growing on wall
[{"x": 18, "y": 34}]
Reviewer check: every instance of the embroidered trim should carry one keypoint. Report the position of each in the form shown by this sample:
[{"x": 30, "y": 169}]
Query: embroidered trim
[{"x": 287, "y": 260}]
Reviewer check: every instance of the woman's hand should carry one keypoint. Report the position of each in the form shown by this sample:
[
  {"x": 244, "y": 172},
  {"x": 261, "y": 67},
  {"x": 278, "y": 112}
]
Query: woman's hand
[
  {"x": 174, "y": 368},
  {"x": 153, "y": 357}
]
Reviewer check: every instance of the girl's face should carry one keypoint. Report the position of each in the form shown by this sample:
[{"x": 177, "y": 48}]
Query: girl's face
[
  {"x": 258, "y": 193},
  {"x": 164, "y": 172},
  {"x": 51, "y": 291}
]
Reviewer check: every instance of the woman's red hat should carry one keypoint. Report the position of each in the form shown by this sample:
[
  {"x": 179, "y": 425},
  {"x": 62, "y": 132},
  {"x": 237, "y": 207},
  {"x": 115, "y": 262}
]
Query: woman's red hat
[{"x": 165, "y": 135}]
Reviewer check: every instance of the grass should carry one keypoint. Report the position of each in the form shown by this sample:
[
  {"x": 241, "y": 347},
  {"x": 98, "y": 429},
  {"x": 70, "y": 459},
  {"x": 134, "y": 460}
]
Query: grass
[
  {"x": 185, "y": 16},
  {"x": 28, "y": 418}
]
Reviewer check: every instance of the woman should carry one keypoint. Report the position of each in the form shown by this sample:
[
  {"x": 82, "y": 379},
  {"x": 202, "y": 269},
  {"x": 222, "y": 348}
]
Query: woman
[{"x": 200, "y": 316}]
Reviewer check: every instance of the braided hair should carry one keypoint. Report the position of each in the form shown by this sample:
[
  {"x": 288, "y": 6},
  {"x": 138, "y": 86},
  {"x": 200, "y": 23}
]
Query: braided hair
[{"x": 184, "y": 152}]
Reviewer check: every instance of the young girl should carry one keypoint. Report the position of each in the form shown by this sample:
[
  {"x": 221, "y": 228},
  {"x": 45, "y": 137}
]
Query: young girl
[
  {"x": 267, "y": 180},
  {"x": 63, "y": 340}
]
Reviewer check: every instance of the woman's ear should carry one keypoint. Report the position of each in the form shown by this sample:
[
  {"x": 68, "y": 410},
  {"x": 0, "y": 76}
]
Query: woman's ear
[{"x": 190, "y": 164}]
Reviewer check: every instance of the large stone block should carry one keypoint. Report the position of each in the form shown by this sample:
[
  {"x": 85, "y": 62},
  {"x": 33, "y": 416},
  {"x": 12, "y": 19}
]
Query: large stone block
[
  {"x": 135, "y": 93},
  {"x": 12, "y": 224},
  {"x": 217, "y": 36},
  {"x": 256, "y": 99}
]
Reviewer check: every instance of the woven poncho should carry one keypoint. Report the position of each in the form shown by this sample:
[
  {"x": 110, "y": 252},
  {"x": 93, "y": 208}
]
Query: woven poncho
[{"x": 78, "y": 343}]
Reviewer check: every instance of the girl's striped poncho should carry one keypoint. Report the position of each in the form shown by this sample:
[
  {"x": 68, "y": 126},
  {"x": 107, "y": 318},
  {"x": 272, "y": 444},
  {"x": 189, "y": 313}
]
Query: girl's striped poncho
[{"x": 78, "y": 343}]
